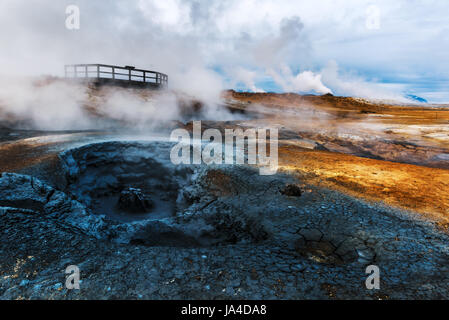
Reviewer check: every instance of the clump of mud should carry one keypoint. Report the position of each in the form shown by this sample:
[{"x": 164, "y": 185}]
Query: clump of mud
[
  {"x": 291, "y": 190},
  {"x": 134, "y": 201}
]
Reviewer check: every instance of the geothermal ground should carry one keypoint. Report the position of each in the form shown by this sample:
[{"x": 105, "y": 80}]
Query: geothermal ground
[{"x": 358, "y": 184}]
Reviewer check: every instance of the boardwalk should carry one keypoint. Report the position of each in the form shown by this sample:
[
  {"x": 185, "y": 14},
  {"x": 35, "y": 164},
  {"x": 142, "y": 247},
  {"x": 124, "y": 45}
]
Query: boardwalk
[{"x": 115, "y": 75}]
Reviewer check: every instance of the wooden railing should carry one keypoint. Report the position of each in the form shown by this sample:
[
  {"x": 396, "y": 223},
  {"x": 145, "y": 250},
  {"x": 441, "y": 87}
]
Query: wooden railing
[{"x": 104, "y": 71}]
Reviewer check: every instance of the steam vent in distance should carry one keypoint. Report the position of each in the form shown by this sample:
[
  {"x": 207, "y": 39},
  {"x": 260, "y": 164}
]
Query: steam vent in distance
[{"x": 127, "y": 76}]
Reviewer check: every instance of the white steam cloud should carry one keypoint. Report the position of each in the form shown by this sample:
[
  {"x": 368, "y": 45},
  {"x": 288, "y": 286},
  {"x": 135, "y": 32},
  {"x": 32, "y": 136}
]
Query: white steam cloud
[
  {"x": 55, "y": 106},
  {"x": 303, "y": 82},
  {"x": 347, "y": 84},
  {"x": 46, "y": 103}
]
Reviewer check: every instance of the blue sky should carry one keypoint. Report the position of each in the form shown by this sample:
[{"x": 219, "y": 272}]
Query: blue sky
[{"x": 373, "y": 49}]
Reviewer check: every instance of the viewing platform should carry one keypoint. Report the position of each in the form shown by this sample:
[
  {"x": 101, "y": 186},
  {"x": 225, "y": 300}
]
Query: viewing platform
[{"x": 127, "y": 76}]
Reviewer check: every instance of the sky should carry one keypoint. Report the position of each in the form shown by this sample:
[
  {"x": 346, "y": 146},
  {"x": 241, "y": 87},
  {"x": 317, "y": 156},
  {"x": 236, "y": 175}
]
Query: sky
[{"x": 371, "y": 49}]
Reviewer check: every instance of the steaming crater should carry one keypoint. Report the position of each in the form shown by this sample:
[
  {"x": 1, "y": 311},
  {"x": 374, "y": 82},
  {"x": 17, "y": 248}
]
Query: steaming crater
[
  {"x": 148, "y": 200},
  {"x": 116, "y": 178}
]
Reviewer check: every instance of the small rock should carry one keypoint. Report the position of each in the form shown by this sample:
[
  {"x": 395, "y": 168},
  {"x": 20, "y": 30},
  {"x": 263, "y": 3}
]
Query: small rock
[{"x": 291, "y": 190}]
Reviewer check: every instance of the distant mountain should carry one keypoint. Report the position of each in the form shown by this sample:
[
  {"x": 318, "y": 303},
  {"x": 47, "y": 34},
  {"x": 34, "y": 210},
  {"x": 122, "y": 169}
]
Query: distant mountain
[{"x": 415, "y": 98}]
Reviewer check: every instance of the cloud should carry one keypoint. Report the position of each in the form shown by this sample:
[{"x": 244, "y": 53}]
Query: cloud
[
  {"x": 302, "y": 82},
  {"x": 272, "y": 50},
  {"x": 203, "y": 83},
  {"x": 240, "y": 75},
  {"x": 218, "y": 38},
  {"x": 347, "y": 84}
]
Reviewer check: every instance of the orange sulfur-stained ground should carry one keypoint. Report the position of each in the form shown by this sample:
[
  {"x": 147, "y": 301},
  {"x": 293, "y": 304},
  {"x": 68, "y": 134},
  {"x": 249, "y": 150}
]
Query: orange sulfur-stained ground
[
  {"x": 395, "y": 154},
  {"x": 417, "y": 188}
]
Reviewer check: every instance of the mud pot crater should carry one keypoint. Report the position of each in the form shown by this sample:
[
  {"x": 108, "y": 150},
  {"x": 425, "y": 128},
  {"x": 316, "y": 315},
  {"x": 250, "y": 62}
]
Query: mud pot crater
[
  {"x": 124, "y": 181},
  {"x": 134, "y": 187}
]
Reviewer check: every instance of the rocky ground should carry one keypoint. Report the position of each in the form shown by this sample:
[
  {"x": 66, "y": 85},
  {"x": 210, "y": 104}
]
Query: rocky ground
[
  {"x": 358, "y": 184},
  {"x": 231, "y": 233}
]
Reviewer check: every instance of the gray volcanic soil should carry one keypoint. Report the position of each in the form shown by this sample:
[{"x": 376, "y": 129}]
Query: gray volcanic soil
[{"x": 212, "y": 232}]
